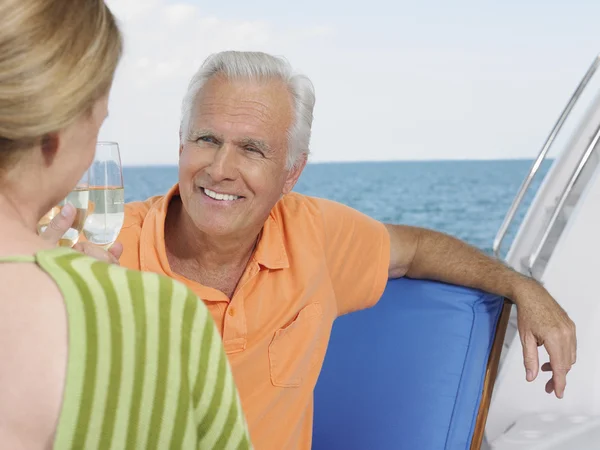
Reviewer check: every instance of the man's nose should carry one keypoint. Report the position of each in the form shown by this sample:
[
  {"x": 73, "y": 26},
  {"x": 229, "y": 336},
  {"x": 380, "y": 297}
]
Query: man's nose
[{"x": 224, "y": 164}]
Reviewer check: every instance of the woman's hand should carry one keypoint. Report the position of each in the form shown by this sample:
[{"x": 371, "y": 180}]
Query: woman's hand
[{"x": 62, "y": 222}]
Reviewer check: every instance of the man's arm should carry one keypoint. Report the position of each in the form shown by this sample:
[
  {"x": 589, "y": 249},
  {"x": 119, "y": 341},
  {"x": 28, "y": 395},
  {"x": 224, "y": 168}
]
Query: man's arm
[
  {"x": 426, "y": 254},
  {"x": 421, "y": 253}
]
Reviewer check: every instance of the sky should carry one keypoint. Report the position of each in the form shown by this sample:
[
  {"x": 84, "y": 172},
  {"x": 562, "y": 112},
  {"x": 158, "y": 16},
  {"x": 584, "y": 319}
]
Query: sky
[{"x": 394, "y": 79}]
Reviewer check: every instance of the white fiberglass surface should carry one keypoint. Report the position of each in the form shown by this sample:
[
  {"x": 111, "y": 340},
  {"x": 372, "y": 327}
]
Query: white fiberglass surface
[{"x": 571, "y": 276}]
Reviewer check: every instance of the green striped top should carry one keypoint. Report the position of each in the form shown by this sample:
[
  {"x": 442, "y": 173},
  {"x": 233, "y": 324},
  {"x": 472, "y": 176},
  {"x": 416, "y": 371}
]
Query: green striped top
[{"x": 146, "y": 367}]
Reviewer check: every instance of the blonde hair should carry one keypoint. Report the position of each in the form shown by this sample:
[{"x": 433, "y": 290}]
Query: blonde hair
[{"x": 57, "y": 58}]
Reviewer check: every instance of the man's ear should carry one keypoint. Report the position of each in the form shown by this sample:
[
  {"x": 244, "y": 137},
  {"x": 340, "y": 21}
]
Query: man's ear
[
  {"x": 180, "y": 142},
  {"x": 49, "y": 147},
  {"x": 294, "y": 173}
]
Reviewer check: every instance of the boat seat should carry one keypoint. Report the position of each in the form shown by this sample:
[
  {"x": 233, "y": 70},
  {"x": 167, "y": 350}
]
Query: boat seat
[{"x": 415, "y": 372}]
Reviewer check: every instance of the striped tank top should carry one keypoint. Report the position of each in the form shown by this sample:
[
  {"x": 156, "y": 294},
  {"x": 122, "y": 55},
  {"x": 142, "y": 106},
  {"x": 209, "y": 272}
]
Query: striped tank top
[{"x": 146, "y": 367}]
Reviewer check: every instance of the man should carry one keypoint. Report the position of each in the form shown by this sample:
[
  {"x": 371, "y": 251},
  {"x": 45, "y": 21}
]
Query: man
[{"x": 276, "y": 268}]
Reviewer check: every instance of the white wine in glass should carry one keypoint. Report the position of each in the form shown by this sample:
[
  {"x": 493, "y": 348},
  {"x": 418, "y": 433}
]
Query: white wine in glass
[
  {"x": 79, "y": 198},
  {"x": 106, "y": 210}
]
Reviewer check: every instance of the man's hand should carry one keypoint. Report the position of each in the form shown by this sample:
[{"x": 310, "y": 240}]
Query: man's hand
[
  {"x": 62, "y": 222},
  {"x": 427, "y": 254},
  {"x": 542, "y": 321}
]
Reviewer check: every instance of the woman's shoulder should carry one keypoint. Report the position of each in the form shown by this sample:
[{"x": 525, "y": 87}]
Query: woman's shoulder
[{"x": 80, "y": 276}]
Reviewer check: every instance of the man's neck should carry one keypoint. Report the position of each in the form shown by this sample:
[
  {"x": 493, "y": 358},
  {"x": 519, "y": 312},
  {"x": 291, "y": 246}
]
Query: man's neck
[{"x": 189, "y": 245}]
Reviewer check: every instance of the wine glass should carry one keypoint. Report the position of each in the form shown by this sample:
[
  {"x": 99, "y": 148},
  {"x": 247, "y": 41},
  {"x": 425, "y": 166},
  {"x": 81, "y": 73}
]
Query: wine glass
[
  {"x": 79, "y": 198},
  {"x": 106, "y": 210}
]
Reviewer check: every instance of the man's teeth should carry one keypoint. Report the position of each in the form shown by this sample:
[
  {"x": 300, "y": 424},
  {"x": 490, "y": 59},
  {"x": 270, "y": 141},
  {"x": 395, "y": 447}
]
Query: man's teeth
[{"x": 218, "y": 196}]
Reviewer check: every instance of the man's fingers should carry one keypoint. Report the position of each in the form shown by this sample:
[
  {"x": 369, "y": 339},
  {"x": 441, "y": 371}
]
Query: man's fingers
[
  {"x": 116, "y": 250},
  {"x": 555, "y": 386},
  {"x": 96, "y": 252},
  {"x": 530, "y": 357},
  {"x": 59, "y": 225},
  {"x": 559, "y": 380},
  {"x": 561, "y": 362},
  {"x": 574, "y": 347}
]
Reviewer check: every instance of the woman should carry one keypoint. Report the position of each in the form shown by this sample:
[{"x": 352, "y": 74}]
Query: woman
[{"x": 91, "y": 355}]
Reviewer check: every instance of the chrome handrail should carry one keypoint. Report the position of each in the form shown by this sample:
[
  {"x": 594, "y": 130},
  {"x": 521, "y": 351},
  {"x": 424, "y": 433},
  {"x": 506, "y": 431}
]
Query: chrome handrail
[
  {"x": 563, "y": 198},
  {"x": 510, "y": 215}
]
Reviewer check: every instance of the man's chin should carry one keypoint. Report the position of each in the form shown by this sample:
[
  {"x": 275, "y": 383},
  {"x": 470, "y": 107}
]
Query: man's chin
[{"x": 214, "y": 228}]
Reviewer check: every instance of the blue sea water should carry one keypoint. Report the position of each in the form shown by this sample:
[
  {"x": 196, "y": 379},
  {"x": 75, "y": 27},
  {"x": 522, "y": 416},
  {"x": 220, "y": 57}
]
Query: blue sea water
[{"x": 467, "y": 199}]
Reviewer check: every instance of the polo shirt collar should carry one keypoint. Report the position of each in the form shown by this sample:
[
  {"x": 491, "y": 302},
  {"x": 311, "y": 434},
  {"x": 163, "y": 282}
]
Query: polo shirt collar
[{"x": 270, "y": 251}]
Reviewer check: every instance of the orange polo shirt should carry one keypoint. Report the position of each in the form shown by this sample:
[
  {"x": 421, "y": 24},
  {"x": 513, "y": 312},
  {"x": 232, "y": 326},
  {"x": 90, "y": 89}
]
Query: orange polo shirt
[{"x": 316, "y": 260}]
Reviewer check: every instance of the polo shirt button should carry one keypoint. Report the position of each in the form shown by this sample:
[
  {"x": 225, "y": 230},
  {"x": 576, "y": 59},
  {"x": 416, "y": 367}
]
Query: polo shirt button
[{"x": 231, "y": 312}]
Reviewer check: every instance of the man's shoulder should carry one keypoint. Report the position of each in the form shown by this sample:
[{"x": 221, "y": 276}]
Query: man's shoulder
[
  {"x": 296, "y": 206},
  {"x": 130, "y": 235},
  {"x": 136, "y": 212}
]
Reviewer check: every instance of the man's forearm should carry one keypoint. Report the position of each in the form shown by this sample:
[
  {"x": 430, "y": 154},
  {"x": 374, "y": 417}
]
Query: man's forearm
[
  {"x": 441, "y": 257},
  {"x": 421, "y": 253}
]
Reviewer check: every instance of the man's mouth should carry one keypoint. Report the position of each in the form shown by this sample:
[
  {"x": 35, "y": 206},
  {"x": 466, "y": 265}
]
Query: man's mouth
[{"x": 218, "y": 196}]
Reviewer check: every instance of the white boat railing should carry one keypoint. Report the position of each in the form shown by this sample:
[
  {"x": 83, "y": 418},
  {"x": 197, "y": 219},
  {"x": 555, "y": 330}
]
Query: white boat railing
[
  {"x": 514, "y": 207},
  {"x": 575, "y": 176}
]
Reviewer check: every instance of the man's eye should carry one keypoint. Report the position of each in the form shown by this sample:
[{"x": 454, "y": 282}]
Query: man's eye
[
  {"x": 208, "y": 139},
  {"x": 250, "y": 148}
]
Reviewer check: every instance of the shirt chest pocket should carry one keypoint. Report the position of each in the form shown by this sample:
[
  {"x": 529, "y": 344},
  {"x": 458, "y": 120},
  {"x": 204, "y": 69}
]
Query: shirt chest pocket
[{"x": 297, "y": 348}]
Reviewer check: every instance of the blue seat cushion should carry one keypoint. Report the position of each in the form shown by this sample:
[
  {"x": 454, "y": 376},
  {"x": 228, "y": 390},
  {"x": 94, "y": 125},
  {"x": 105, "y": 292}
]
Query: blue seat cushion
[{"x": 407, "y": 373}]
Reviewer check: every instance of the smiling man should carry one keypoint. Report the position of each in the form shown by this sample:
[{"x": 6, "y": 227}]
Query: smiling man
[{"x": 276, "y": 268}]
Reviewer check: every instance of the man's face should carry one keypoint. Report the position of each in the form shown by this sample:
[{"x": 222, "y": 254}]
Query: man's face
[{"x": 232, "y": 167}]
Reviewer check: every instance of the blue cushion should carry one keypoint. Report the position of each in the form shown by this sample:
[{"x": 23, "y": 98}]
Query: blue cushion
[{"x": 407, "y": 373}]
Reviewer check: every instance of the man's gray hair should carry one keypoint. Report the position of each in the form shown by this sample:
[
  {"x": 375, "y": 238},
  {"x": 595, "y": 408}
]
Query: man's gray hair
[{"x": 259, "y": 66}]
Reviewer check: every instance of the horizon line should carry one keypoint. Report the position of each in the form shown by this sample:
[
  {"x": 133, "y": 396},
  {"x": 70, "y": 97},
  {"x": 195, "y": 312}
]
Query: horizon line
[{"x": 371, "y": 161}]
